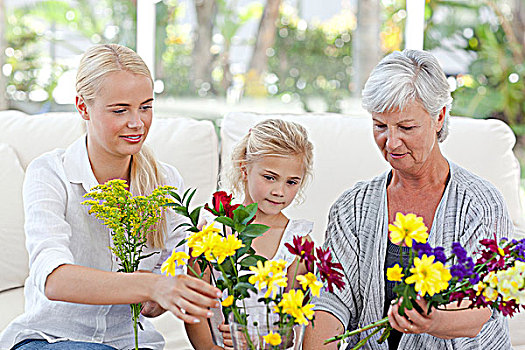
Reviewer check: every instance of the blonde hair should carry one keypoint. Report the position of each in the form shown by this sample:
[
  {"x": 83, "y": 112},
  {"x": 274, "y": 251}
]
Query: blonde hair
[
  {"x": 271, "y": 137},
  {"x": 145, "y": 173}
]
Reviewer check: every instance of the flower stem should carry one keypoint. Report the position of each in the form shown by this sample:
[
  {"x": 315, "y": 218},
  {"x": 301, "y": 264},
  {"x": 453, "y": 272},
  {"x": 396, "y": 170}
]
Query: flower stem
[{"x": 381, "y": 324}]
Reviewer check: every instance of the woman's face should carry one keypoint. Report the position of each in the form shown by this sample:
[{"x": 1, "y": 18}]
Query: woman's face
[
  {"x": 120, "y": 116},
  {"x": 407, "y": 138}
]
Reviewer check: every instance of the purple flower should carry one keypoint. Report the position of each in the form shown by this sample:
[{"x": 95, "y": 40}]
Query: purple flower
[
  {"x": 458, "y": 271},
  {"x": 425, "y": 249},
  {"x": 474, "y": 279},
  {"x": 422, "y": 249},
  {"x": 519, "y": 249},
  {"x": 439, "y": 253},
  {"x": 459, "y": 251}
]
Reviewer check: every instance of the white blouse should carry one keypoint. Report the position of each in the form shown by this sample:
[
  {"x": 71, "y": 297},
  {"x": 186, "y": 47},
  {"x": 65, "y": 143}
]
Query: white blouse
[{"x": 60, "y": 231}]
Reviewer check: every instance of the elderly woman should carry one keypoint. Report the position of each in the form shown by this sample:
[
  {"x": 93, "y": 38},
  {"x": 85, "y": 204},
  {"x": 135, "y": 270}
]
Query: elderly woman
[{"x": 409, "y": 99}]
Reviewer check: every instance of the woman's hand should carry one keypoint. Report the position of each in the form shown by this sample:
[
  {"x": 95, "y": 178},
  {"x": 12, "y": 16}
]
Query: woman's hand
[
  {"x": 226, "y": 336},
  {"x": 445, "y": 324},
  {"x": 414, "y": 322},
  {"x": 186, "y": 297},
  {"x": 151, "y": 309}
]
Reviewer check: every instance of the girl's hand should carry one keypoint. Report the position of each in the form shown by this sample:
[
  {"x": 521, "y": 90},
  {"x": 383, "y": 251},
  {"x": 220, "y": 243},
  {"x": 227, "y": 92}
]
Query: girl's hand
[
  {"x": 226, "y": 336},
  {"x": 414, "y": 322},
  {"x": 186, "y": 297}
]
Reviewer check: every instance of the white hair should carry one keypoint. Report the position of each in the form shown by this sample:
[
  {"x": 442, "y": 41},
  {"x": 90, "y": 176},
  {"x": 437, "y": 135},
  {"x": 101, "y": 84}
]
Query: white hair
[{"x": 408, "y": 76}]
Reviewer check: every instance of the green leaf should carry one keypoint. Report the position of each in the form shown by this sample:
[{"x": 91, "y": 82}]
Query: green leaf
[
  {"x": 194, "y": 216},
  {"x": 239, "y": 227},
  {"x": 175, "y": 195},
  {"x": 184, "y": 224},
  {"x": 225, "y": 221},
  {"x": 181, "y": 210},
  {"x": 254, "y": 230},
  {"x": 182, "y": 242},
  {"x": 241, "y": 251},
  {"x": 242, "y": 288},
  {"x": 245, "y": 278},
  {"x": 146, "y": 256},
  {"x": 252, "y": 210},
  {"x": 251, "y": 260},
  {"x": 190, "y": 196},
  {"x": 239, "y": 215},
  {"x": 227, "y": 266}
]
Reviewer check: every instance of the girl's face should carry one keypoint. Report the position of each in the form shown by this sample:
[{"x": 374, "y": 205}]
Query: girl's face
[
  {"x": 120, "y": 115},
  {"x": 272, "y": 182}
]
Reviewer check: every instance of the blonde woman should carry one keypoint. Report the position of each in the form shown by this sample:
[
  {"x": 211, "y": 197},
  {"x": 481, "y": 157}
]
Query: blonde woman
[{"x": 74, "y": 297}]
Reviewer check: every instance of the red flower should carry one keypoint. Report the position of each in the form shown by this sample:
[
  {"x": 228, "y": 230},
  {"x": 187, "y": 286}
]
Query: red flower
[
  {"x": 305, "y": 251},
  {"x": 508, "y": 308},
  {"x": 493, "y": 255},
  {"x": 328, "y": 270},
  {"x": 222, "y": 205}
]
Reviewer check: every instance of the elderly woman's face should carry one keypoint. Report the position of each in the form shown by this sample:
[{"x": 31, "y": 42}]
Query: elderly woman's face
[{"x": 407, "y": 138}]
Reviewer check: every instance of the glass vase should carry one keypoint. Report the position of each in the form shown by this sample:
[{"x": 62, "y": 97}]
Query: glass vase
[{"x": 251, "y": 336}]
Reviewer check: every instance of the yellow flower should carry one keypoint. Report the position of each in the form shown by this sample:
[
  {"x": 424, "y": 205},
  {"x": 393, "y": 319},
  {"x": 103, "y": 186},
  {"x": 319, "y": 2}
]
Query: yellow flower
[
  {"x": 310, "y": 281},
  {"x": 176, "y": 258},
  {"x": 490, "y": 294},
  {"x": 197, "y": 237},
  {"x": 292, "y": 304},
  {"x": 408, "y": 227},
  {"x": 429, "y": 277},
  {"x": 207, "y": 245},
  {"x": 228, "y": 247},
  {"x": 278, "y": 265},
  {"x": 510, "y": 283},
  {"x": 268, "y": 276},
  {"x": 395, "y": 273},
  {"x": 272, "y": 338},
  {"x": 228, "y": 301}
]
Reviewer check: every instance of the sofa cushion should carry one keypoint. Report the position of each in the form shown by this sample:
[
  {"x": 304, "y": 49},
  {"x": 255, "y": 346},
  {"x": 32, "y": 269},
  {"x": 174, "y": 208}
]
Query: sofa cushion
[
  {"x": 32, "y": 135},
  {"x": 345, "y": 152},
  {"x": 13, "y": 303},
  {"x": 14, "y": 258},
  {"x": 192, "y": 146},
  {"x": 189, "y": 145}
]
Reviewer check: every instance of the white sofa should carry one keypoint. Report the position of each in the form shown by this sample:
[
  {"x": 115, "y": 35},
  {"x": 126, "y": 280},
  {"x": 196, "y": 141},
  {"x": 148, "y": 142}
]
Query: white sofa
[{"x": 344, "y": 154}]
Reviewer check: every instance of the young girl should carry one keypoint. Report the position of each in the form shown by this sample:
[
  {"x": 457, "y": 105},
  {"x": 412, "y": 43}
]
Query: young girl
[
  {"x": 270, "y": 166},
  {"x": 74, "y": 299}
]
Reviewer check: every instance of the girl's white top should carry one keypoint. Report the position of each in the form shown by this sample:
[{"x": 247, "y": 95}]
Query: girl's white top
[
  {"x": 60, "y": 231},
  {"x": 295, "y": 227}
]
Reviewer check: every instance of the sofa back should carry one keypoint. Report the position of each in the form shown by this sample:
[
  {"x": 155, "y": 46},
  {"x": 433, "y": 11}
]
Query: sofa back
[
  {"x": 189, "y": 145},
  {"x": 345, "y": 153}
]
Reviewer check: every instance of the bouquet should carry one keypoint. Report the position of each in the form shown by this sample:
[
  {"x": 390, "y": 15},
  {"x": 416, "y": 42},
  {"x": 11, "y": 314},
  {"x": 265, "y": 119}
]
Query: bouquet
[
  {"x": 130, "y": 218},
  {"x": 242, "y": 272},
  {"x": 495, "y": 279}
]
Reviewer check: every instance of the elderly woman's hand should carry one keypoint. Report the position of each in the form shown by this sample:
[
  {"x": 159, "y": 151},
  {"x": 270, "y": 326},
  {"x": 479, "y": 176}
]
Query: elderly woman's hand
[{"x": 414, "y": 322}]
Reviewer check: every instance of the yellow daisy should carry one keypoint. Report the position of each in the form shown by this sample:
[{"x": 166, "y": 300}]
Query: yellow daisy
[
  {"x": 408, "y": 227},
  {"x": 272, "y": 338},
  {"x": 176, "y": 258},
  {"x": 310, "y": 281},
  {"x": 395, "y": 273},
  {"x": 429, "y": 277}
]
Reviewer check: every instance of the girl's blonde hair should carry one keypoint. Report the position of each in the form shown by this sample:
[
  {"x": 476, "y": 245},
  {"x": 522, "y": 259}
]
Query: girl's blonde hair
[
  {"x": 98, "y": 61},
  {"x": 271, "y": 137}
]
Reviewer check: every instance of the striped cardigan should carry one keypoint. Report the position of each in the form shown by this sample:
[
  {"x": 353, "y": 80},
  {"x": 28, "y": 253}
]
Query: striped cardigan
[{"x": 471, "y": 209}]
